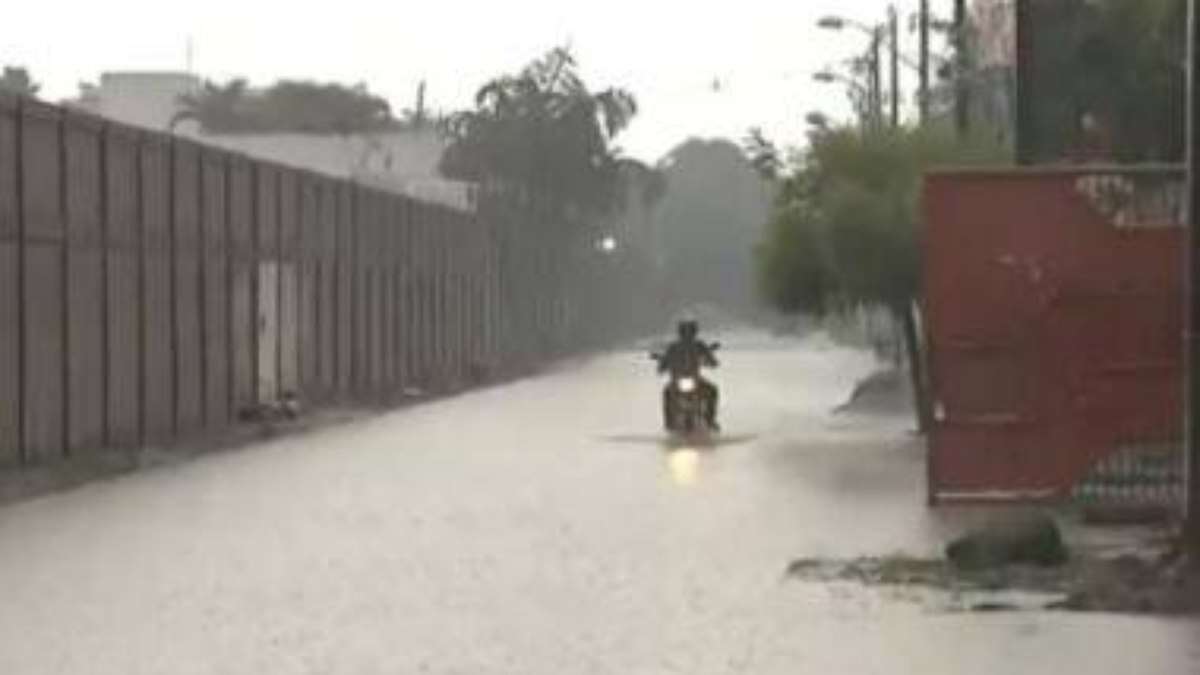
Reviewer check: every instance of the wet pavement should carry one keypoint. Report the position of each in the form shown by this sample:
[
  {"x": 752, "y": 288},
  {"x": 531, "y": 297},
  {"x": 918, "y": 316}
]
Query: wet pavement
[{"x": 540, "y": 527}]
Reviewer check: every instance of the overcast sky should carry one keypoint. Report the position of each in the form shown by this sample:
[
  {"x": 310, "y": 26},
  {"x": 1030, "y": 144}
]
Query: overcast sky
[{"x": 698, "y": 68}]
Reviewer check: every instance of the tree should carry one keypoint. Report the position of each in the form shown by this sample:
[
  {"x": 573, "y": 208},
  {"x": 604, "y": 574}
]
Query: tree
[
  {"x": 217, "y": 108},
  {"x": 647, "y": 184},
  {"x": 763, "y": 154},
  {"x": 18, "y": 81},
  {"x": 288, "y": 106},
  {"x": 708, "y": 222},
  {"x": 310, "y": 107},
  {"x": 543, "y": 131},
  {"x": 845, "y": 229},
  {"x": 1108, "y": 80}
]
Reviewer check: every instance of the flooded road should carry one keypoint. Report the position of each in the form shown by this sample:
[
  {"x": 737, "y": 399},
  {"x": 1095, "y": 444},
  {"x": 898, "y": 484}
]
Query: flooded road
[{"x": 541, "y": 527}]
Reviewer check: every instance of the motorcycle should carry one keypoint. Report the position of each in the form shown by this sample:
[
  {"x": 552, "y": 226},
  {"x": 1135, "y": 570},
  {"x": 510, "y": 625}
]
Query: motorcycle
[{"x": 686, "y": 407}]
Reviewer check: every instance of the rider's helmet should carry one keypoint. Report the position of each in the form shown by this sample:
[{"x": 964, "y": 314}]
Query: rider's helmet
[{"x": 688, "y": 329}]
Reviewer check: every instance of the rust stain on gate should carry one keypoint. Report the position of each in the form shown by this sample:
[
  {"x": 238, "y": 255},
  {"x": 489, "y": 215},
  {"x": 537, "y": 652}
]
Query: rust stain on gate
[{"x": 1054, "y": 329}]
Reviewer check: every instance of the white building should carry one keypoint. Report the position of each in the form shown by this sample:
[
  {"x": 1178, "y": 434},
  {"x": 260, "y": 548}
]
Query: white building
[
  {"x": 403, "y": 161},
  {"x": 400, "y": 161},
  {"x": 144, "y": 99}
]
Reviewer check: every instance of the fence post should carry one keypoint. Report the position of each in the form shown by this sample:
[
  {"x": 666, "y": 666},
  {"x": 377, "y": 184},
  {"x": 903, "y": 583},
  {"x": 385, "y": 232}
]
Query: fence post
[
  {"x": 140, "y": 211},
  {"x": 1192, "y": 289},
  {"x": 64, "y": 285},
  {"x": 202, "y": 261},
  {"x": 173, "y": 259},
  {"x": 22, "y": 314},
  {"x": 255, "y": 264},
  {"x": 105, "y": 316},
  {"x": 231, "y": 383}
]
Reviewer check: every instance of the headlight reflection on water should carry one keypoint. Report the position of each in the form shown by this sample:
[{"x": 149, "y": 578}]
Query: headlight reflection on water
[{"x": 684, "y": 465}]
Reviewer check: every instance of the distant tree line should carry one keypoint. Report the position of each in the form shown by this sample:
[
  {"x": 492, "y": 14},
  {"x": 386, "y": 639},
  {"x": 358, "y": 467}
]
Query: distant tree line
[
  {"x": 18, "y": 81},
  {"x": 288, "y": 106}
]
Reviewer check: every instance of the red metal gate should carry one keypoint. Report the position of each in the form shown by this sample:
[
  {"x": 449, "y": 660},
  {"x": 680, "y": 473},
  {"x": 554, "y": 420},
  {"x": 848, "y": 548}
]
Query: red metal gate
[{"x": 1053, "y": 321}]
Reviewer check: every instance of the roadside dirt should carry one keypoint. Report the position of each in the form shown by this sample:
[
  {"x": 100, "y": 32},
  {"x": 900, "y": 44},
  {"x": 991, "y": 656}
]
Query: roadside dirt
[
  {"x": 886, "y": 392},
  {"x": 1157, "y": 582}
]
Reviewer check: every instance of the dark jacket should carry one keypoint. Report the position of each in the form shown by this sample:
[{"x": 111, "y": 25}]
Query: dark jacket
[{"x": 686, "y": 358}]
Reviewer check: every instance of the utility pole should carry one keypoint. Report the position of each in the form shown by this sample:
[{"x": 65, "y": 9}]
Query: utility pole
[
  {"x": 1192, "y": 291},
  {"x": 961, "y": 103},
  {"x": 877, "y": 77},
  {"x": 894, "y": 38},
  {"x": 1025, "y": 140},
  {"x": 923, "y": 88}
]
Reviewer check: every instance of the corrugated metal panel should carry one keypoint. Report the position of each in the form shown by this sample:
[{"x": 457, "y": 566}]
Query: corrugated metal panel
[
  {"x": 85, "y": 286},
  {"x": 188, "y": 291},
  {"x": 44, "y": 408},
  {"x": 167, "y": 285},
  {"x": 44, "y": 348},
  {"x": 404, "y": 306},
  {"x": 361, "y": 349},
  {"x": 289, "y": 328},
  {"x": 158, "y": 369},
  {"x": 123, "y": 307},
  {"x": 327, "y": 287},
  {"x": 9, "y": 222},
  {"x": 242, "y": 331},
  {"x": 387, "y": 287},
  {"x": 363, "y": 324},
  {"x": 437, "y": 278},
  {"x": 10, "y": 358},
  {"x": 267, "y": 283},
  {"x": 458, "y": 306},
  {"x": 422, "y": 295},
  {"x": 289, "y": 289},
  {"x": 346, "y": 316},
  {"x": 10, "y": 403},
  {"x": 378, "y": 316},
  {"x": 216, "y": 289},
  {"x": 310, "y": 347},
  {"x": 395, "y": 289}
]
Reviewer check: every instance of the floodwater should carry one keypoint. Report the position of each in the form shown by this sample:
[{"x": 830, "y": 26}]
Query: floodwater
[{"x": 540, "y": 527}]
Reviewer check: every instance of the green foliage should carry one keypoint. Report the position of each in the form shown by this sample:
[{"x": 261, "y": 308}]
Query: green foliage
[
  {"x": 543, "y": 131},
  {"x": 795, "y": 270},
  {"x": 287, "y": 107},
  {"x": 18, "y": 81},
  {"x": 846, "y": 225},
  {"x": 763, "y": 154},
  {"x": 1119, "y": 62}
]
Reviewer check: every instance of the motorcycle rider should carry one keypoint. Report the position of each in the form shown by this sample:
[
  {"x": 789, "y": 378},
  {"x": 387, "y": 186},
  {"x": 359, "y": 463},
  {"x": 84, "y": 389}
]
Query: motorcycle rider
[{"x": 686, "y": 357}]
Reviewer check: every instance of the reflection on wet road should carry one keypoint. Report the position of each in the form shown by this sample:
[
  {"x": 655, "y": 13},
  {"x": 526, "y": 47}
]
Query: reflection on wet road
[{"x": 525, "y": 530}]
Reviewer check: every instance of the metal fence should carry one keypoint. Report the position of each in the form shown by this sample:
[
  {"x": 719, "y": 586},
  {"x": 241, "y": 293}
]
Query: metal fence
[{"x": 152, "y": 288}]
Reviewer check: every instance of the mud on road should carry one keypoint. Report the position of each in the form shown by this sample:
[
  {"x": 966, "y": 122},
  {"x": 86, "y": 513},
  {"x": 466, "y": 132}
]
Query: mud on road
[{"x": 1160, "y": 583}]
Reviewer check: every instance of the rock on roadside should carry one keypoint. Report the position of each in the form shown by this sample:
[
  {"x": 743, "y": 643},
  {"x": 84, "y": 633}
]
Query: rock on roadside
[{"x": 1027, "y": 539}]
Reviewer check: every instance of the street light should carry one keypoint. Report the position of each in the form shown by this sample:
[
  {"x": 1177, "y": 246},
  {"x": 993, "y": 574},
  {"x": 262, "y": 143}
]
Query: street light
[
  {"x": 877, "y": 35},
  {"x": 830, "y": 77},
  {"x": 873, "y": 114},
  {"x": 840, "y": 23},
  {"x": 817, "y": 120}
]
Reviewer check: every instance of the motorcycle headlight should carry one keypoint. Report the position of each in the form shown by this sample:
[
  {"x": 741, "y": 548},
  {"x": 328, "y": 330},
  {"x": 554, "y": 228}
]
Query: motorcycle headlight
[{"x": 687, "y": 385}]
